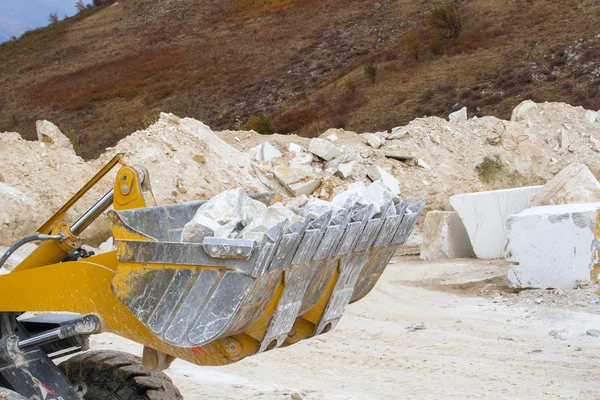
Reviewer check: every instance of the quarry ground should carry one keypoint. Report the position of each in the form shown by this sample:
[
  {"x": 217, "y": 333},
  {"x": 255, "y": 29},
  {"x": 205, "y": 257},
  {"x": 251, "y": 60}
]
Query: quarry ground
[{"x": 480, "y": 340}]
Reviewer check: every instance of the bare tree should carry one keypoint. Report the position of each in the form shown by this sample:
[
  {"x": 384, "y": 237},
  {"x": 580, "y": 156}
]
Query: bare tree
[
  {"x": 53, "y": 18},
  {"x": 79, "y": 6}
]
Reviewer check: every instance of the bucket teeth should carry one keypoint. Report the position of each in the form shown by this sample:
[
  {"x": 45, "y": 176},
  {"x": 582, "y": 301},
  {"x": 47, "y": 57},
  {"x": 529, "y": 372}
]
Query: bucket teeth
[{"x": 203, "y": 292}]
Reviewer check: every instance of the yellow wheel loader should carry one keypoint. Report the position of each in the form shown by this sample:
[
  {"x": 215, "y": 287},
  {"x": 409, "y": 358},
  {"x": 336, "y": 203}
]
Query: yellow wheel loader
[{"x": 210, "y": 303}]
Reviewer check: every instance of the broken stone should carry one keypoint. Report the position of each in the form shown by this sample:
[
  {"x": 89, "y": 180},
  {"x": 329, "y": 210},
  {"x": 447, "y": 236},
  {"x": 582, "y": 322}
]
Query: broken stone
[
  {"x": 551, "y": 246},
  {"x": 460, "y": 115},
  {"x": 345, "y": 169},
  {"x": 332, "y": 138},
  {"x": 375, "y": 173},
  {"x": 297, "y": 181},
  {"x": 484, "y": 215},
  {"x": 107, "y": 246},
  {"x": 520, "y": 112},
  {"x": 406, "y": 159},
  {"x": 296, "y": 148},
  {"x": 324, "y": 149},
  {"x": 398, "y": 132},
  {"x": 593, "y": 332},
  {"x": 422, "y": 164},
  {"x": 272, "y": 216},
  {"x": 198, "y": 228},
  {"x": 445, "y": 236},
  {"x": 563, "y": 139},
  {"x": 590, "y": 116},
  {"x": 574, "y": 184},
  {"x": 49, "y": 133},
  {"x": 373, "y": 140},
  {"x": 300, "y": 159},
  {"x": 264, "y": 153}
]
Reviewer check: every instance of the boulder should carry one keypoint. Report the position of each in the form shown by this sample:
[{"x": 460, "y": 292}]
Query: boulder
[
  {"x": 272, "y": 216},
  {"x": 299, "y": 159},
  {"x": 296, "y": 148},
  {"x": 376, "y": 173},
  {"x": 49, "y": 133},
  {"x": 552, "y": 246},
  {"x": 445, "y": 236},
  {"x": 297, "y": 181},
  {"x": 345, "y": 169},
  {"x": 324, "y": 149},
  {"x": 198, "y": 228},
  {"x": 574, "y": 184},
  {"x": 460, "y": 115},
  {"x": 373, "y": 140},
  {"x": 484, "y": 215},
  {"x": 519, "y": 112}
]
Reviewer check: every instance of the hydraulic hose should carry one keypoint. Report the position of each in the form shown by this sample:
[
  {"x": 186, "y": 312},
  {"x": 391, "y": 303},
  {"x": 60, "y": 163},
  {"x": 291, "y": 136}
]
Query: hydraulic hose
[{"x": 27, "y": 239}]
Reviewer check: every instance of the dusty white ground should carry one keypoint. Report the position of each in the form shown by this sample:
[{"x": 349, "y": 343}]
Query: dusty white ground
[{"x": 480, "y": 342}]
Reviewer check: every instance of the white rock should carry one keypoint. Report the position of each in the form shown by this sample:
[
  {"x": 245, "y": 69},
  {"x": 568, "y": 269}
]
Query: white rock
[
  {"x": 398, "y": 132},
  {"x": 345, "y": 169},
  {"x": 269, "y": 152},
  {"x": 198, "y": 228},
  {"x": 296, "y": 148},
  {"x": 520, "y": 112},
  {"x": 552, "y": 246},
  {"x": 300, "y": 159},
  {"x": 297, "y": 181},
  {"x": 445, "y": 236},
  {"x": 422, "y": 164},
  {"x": 460, "y": 115},
  {"x": 574, "y": 184},
  {"x": 324, "y": 149},
  {"x": 563, "y": 139},
  {"x": 484, "y": 215},
  {"x": 273, "y": 215},
  {"x": 314, "y": 208},
  {"x": 373, "y": 140},
  {"x": 376, "y": 173},
  {"x": 590, "y": 116},
  {"x": 49, "y": 133},
  {"x": 332, "y": 138}
]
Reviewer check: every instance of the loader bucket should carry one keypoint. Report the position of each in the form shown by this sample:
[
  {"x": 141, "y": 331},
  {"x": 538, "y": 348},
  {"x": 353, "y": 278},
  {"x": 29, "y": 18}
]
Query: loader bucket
[{"x": 294, "y": 284}]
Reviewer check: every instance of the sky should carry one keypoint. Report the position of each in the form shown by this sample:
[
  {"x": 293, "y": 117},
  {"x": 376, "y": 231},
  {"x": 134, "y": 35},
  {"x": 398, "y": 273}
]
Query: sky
[{"x": 17, "y": 16}]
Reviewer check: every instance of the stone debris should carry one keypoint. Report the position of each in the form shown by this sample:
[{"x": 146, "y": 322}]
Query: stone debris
[
  {"x": 551, "y": 246},
  {"x": 376, "y": 173},
  {"x": 297, "y": 181},
  {"x": 49, "y": 134},
  {"x": 332, "y": 138},
  {"x": 398, "y": 132},
  {"x": 445, "y": 236},
  {"x": 460, "y": 115},
  {"x": 593, "y": 332},
  {"x": 264, "y": 153},
  {"x": 484, "y": 215},
  {"x": 324, "y": 149},
  {"x": 373, "y": 140},
  {"x": 590, "y": 116},
  {"x": 574, "y": 184},
  {"x": 520, "y": 112},
  {"x": 296, "y": 148},
  {"x": 408, "y": 160}
]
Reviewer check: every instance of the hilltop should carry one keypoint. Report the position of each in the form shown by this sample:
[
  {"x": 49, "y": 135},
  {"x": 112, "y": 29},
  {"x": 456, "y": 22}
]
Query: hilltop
[{"x": 109, "y": 71}]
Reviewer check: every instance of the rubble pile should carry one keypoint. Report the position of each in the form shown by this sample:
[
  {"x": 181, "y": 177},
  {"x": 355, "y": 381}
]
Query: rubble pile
[{"x": 430, "y": 158}]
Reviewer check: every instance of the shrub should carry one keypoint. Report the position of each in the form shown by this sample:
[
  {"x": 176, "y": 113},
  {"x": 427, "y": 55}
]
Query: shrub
[
  {"x": 79, "y": 6},
  {"x": 490, "y": 168},
  {"x": 53, "y": 18},
  {"x": 446, "y": 20},
  {"x": 371, "y": 69},
  {"x": 350, "y": 86},
  {"x": 260, "y": 123},
  {"x": 413, "y": 45}
]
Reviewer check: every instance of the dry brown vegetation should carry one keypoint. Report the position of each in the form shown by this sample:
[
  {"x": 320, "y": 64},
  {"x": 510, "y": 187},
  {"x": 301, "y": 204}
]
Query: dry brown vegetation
[{"x": 300, "y": 63}]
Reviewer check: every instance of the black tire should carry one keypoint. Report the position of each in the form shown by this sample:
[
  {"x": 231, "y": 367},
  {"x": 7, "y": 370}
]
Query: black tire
[
  {"x": 6, "y": 394},
  {"x": 114, "y": 375}
]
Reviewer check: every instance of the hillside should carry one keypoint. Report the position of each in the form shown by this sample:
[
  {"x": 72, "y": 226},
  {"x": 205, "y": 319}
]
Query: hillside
[{"x": 107, "y": 72}]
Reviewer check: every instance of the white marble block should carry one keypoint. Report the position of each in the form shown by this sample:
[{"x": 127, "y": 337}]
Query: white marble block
[
  {"x": 484, "y": 215},
  {"x": 445, "y": 236},
  {"x": 552, "y": 246}
]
